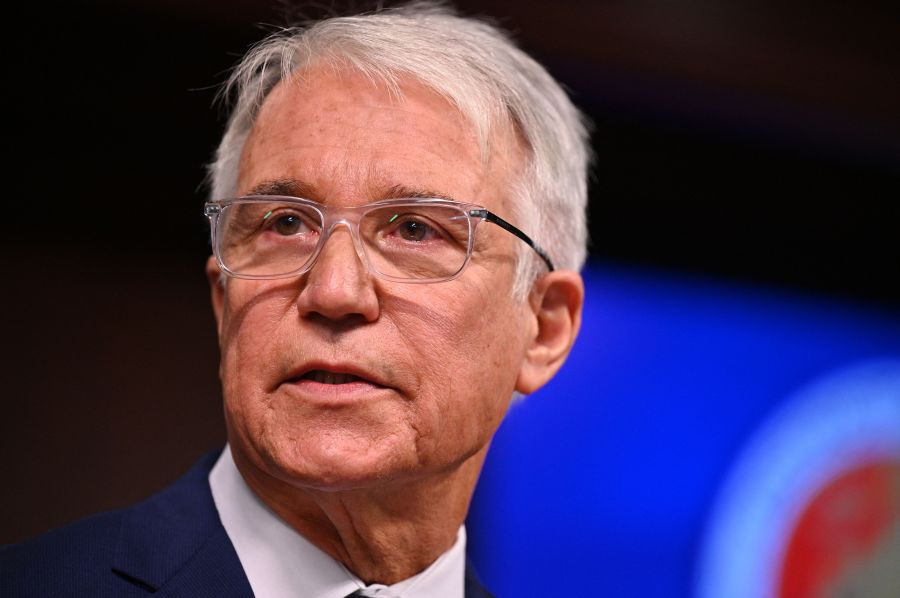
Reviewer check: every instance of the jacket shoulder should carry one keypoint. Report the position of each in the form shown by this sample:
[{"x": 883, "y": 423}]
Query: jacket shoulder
[
  {"x": 69, "y": 561},
  {"x": 116, "y": 553}
]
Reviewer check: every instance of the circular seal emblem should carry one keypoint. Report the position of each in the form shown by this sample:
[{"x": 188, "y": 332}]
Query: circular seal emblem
[{"x": 811, "y": 507}]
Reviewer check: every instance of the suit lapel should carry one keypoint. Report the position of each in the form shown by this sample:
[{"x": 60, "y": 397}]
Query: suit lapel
[
  {"x": 213, "y": 571},
  {"x": 474, "y": 589},
  {"x": 174, "y": 543}
]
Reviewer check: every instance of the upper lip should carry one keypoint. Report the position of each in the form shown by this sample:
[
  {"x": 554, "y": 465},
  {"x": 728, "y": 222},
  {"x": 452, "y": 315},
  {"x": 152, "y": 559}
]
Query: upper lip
[{"x": 336, "y": 368}]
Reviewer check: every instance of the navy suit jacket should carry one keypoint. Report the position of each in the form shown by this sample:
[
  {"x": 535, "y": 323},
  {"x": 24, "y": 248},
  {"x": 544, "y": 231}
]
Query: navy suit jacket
[{"x": 172, "y": 544}]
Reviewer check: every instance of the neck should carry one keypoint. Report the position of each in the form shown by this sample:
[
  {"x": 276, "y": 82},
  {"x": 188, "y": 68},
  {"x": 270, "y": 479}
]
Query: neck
[{"x": 382, "y": 534}]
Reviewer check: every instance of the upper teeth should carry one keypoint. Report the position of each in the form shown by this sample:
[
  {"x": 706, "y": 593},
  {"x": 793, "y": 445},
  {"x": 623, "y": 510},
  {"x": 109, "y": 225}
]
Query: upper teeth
[{"x": 330, "y": 377}]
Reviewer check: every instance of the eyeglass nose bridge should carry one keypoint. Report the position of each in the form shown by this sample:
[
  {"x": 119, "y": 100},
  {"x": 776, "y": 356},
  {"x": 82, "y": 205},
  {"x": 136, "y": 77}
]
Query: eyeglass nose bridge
[{"x": 352, "y": 224}]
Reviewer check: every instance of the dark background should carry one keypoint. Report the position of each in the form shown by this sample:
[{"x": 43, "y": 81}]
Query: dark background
[{"x": 756, "y": 142}]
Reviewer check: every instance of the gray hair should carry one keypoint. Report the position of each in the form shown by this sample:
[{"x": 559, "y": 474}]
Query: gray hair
[{"x": 475, "y": 67}]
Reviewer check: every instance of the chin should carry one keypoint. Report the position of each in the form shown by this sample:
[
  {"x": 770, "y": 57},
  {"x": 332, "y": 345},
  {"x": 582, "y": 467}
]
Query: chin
[{"x": 343, "y": 464}]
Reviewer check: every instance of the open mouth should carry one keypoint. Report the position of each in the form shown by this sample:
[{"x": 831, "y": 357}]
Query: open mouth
[
  {"x": 325, "y": 377},
  {"x": 336, "y": 379}
]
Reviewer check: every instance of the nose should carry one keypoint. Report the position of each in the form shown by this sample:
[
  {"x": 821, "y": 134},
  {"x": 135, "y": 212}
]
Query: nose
[{"x": 338, "y": 286}]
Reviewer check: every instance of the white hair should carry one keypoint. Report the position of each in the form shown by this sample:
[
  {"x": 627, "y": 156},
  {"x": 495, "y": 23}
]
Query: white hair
[{"x": 475, "y": 67}]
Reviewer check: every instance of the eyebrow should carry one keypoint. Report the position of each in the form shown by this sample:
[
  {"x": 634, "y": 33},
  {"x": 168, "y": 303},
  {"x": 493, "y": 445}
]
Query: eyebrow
[
  {"x": 398, "y": 191},
  {"x": 298, "y": 188},
  {"x": 289, "y": 187}
]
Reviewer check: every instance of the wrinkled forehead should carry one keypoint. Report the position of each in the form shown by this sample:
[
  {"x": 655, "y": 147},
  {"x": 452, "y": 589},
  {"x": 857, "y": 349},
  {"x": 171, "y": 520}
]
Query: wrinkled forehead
[{"x": 343, "y": 124}]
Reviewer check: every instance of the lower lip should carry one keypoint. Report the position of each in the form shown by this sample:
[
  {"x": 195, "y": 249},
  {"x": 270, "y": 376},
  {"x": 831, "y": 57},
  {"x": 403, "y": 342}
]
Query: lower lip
[{"x": 343, "y": 393}]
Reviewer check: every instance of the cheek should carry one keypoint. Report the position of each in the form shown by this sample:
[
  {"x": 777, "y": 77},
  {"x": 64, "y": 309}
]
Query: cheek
[
  {"x": 253, "y": 314},
  {"x": 252, "y": 319},
  {"x": 467, "y": 355}
]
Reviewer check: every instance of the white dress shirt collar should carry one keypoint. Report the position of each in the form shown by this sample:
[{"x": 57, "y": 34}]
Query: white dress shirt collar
[{"x": 280, "y": 563}]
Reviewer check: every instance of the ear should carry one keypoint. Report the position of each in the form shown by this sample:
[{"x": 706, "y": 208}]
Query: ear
[
  {"x": 556, "y": 302},
  {"x": 215, "y": 275}
]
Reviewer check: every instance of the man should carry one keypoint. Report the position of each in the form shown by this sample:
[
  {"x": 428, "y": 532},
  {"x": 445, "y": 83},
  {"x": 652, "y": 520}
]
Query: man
[{"x": 397, "y": 222}]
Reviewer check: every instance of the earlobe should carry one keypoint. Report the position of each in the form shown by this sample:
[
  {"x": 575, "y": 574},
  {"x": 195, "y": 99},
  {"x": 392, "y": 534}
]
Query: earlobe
[
  {"x": 216, "y": 290},
  {"x": 556, "y": 302}
]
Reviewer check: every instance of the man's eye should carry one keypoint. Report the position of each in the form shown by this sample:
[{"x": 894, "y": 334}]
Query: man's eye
[
  {"x": 288, "y": 225},
  {"x": 414, "y": 230}
]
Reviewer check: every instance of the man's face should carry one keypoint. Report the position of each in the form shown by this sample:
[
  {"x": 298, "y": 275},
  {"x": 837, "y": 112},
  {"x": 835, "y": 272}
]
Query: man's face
[{"x": 432, "y": 366}]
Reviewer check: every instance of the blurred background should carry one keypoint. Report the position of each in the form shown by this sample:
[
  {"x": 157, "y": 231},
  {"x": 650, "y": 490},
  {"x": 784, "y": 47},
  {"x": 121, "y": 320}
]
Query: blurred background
[{"x": 729, "y": 424}]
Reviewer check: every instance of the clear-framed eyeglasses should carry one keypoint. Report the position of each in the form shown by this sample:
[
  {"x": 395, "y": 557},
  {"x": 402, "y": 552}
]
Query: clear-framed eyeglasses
[{"x": 417, "y": 240}]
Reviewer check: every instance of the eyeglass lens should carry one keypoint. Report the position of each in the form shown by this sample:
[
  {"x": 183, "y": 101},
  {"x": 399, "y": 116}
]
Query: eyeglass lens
[{"x": 409, "y": 241}]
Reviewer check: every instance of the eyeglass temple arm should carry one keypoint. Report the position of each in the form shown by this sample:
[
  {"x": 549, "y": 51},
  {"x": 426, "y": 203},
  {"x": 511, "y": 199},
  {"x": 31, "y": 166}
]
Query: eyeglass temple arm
[{"x": 491, "y": 217}]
